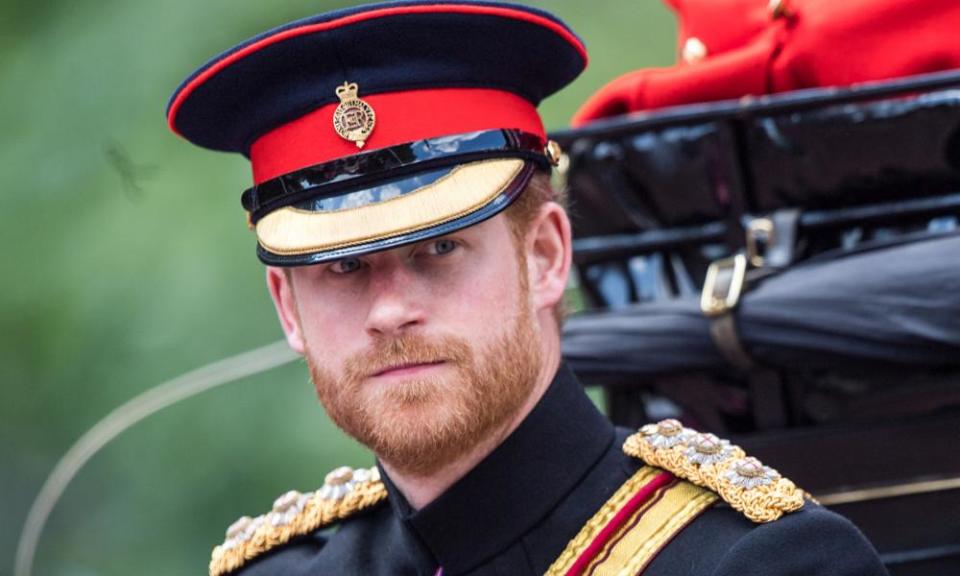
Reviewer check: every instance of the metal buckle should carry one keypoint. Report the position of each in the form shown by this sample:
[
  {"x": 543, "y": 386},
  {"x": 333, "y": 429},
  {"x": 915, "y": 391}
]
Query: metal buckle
[
  {"x": 761, "y": 233},
  {"x": 723, "y": 285}
]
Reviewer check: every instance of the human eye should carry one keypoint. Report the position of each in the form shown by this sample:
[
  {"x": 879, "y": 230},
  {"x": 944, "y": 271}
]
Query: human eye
[
  {"x": 346, "y": 265},
  {"x": 441, "y": 246}
]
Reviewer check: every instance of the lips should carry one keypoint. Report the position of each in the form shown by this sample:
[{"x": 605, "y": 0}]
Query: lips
[{"x": 406, "y": 368}]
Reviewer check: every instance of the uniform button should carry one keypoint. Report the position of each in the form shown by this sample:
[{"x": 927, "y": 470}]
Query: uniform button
[
  {"x": 706, "y": 444},
  {"x": 694, "y": 50},
  {"x": 669, "y": 427},
  {"x": 286, "y": 502},
  {"x": 779, "y": 8},
  {"x": 239, "y": 527},
  {"x": 553, "y": 152},
  {"x": 339, "y": 477},
  {"x": 750, "y": 468}
]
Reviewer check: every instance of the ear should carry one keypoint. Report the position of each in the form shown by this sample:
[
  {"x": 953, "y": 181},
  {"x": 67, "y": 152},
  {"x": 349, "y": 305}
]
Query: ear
[
  {"x": 284, "y": 300},
  {"x": 549, "y": 253}
]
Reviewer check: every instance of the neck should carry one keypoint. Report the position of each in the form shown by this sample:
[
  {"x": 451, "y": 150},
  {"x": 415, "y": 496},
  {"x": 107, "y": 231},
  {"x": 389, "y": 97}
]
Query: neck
[{"x": 420, "y": 490}]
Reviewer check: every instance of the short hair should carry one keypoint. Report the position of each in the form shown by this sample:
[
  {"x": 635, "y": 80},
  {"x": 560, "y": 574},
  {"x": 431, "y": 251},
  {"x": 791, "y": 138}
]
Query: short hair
[
  {"x": 521, "y": 213},
  {"x": 523, "y": 210}
]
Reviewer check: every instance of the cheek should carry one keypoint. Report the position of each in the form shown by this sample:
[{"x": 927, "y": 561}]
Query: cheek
[
  {"x": 479, "y": 299},
  {"x": 327, "y": 329}
]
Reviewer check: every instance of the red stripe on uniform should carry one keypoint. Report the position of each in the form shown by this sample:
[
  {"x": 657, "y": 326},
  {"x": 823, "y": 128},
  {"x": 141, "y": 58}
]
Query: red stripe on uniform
[{"x": 617, "y": 522}]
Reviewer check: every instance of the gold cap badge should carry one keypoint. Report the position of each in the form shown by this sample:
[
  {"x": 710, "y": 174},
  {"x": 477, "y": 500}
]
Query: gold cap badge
[{"x": 353, "y": 119}]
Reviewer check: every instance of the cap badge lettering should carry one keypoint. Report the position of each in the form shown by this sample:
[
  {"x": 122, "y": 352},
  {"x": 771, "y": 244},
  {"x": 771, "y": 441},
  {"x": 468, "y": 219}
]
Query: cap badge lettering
[{"x": 353, "y": 119}]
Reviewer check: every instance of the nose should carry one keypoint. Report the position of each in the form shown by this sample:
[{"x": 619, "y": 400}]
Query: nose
[{"x": 396, "y": 303}]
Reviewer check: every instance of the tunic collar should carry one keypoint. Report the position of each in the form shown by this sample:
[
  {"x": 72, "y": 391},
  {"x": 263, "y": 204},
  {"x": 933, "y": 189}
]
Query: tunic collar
[{"x": 494, "y": 505}]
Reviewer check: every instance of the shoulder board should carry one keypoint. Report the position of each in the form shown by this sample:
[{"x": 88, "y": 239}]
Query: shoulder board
[
  {"x": 344, "y": 493},
  {"x": 758, "y": 491}
]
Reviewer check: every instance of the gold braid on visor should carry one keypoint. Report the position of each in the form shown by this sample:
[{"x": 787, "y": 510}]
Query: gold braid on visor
[{"x": 390, "y": 197}]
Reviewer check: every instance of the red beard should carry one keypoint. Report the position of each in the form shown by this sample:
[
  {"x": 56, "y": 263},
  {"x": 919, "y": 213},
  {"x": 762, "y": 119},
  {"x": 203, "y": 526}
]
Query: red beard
[{"x": 423, "y": 423}]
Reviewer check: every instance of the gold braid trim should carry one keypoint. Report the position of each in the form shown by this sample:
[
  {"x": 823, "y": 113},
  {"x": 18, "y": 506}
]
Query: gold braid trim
[
  {"x": 637, "y": 538},
  {"x": 758, "y": 491},
  {"x": 599, "y": 520},
  {"x": 345, "y": 493},
  {"x": 653, "y": 529}
]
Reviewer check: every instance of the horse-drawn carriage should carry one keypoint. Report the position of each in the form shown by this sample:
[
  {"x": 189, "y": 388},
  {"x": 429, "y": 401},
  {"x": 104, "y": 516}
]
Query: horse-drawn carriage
[{"x": 785, "y": 270}]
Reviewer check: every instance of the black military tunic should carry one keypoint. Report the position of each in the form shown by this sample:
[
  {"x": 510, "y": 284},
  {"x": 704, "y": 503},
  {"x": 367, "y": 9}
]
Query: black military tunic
[{"x": 516, "y": 511}]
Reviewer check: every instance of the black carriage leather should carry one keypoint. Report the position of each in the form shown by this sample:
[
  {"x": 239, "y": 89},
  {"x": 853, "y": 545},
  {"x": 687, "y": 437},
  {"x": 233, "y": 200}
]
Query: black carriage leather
[{"x": 817, "y": 150}]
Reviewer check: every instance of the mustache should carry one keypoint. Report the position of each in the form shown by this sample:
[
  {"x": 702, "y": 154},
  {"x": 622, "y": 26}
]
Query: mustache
[{"x": 407, "y": 350}]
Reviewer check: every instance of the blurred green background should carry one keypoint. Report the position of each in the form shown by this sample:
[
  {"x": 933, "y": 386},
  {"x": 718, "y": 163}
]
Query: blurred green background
[{"x": 127, "y": 263}]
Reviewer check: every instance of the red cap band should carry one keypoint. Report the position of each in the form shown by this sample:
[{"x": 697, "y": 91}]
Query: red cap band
[{"x": 401, "y": 117}]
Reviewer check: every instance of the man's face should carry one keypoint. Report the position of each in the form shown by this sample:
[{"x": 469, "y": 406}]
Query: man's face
[{"x": 421, "y": 351}]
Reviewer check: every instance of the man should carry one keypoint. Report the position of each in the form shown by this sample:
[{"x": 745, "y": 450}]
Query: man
[{"x": 417, "y": 257}]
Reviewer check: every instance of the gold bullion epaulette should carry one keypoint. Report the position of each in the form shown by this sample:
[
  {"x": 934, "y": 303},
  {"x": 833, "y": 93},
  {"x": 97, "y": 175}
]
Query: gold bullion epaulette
[
  {"x": 758, "y": 491},
  {"x": 344, "y": 493}
]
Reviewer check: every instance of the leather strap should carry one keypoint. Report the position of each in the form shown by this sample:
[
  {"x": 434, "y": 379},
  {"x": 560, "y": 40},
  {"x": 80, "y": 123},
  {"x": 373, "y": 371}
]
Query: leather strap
[{"x": 726, "y": 337}]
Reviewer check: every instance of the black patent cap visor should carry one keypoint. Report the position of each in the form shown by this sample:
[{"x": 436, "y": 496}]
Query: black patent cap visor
[{"x": 390, "y": 197}]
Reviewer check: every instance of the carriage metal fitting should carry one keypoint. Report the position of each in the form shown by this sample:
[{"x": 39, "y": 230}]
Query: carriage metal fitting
[
  {"x": 723, "y": 285},
  {"x": 761, "y": 234}
]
